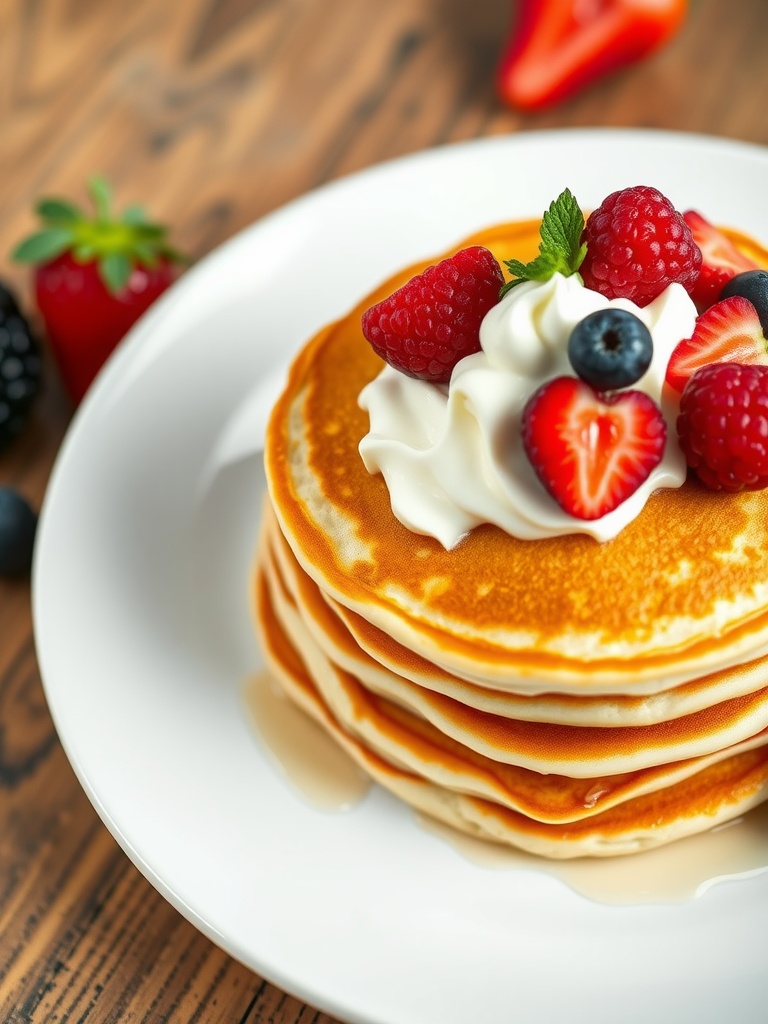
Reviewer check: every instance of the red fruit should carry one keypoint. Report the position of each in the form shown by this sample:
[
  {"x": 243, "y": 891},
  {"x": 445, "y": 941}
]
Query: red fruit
[
  {"x": 559, "y": 46},
  {"x": 728, "y": 332},
  {"x": 723, "y": 426},
  {"x": 637, "y": 245},
  {"x": 84, "y": 321},
  {"x": 94, "y": 278},
  {"x": 433, "y": 321},
  {"x": 720, "y": 260},
  {"x": 590, "y": 450}
]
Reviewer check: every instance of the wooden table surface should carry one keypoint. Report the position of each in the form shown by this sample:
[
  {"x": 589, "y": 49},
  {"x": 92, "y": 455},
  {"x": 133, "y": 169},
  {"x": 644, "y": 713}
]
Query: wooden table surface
[{"x": 214, "y": 112}]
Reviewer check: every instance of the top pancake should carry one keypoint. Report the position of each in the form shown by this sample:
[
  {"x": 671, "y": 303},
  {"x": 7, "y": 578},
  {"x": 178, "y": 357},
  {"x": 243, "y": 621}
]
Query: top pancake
[{"x": 682, "y": 591}]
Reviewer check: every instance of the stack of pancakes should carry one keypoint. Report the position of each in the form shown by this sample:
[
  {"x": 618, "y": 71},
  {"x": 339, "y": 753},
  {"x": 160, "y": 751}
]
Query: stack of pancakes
[{"x": 563, "y": 696}]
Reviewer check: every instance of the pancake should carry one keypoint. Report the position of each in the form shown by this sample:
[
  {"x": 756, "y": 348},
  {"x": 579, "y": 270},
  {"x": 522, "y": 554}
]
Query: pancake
[
  {"x": 562, "y": 695},
  {"x": 681, "y": 592},
  {"x": 388, "y": 667},
  {"x": 700, "y": 799},
  {"x": 472, "y": 760}
]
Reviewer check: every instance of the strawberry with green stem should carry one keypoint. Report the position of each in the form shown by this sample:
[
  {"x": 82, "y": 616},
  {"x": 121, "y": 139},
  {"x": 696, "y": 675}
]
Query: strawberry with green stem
[{"x": 94, "y": 277}]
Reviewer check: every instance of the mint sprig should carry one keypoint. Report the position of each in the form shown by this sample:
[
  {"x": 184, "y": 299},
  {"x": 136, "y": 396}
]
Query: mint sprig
[
  {"x": 115, "y": 244},
  {"x": 561, "y": 250}
]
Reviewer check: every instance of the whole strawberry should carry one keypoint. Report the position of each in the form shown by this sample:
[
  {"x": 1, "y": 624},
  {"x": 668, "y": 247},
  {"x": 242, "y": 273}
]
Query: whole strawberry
[
  {"x": 425, "y": 327},
  {"x": 637, "y": 245},
  {"x": 94, "y": 278}
]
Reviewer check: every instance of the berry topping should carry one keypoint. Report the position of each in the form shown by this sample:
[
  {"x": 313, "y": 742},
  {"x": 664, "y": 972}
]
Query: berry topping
[
  {"x": 637, "y": 245},
  {"x": 751, "y": 285},
  {"x": 431, "y": 322},
  {"x": 720, "y": 260},
  {"x": 728, "y": 332},
  {"x": 18, "y": 524},
  {"x": 94, "y": 277},
  {"x": 723, "y": 426},
  {"x": 611, "y": 348},
  {"x": 591, "y": 451},
  {"x": 19, "y": 368}
]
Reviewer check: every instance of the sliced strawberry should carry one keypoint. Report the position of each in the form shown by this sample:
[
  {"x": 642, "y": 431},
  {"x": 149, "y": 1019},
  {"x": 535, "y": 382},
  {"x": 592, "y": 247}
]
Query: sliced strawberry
[
  {"x": 721, "y": 260},
  {"x": 590, "y": 450},
  {"x": 728, "y": 332}
]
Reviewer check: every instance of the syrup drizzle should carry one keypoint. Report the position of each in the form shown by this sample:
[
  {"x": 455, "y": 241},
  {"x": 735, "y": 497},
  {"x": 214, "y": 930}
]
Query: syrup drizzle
[
  {"x": 306, "y": 756},
  {"x": 329, "y": 780}
]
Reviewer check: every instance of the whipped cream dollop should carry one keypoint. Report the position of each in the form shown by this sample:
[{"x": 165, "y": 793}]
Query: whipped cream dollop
[{"x": 452, "y": 455}]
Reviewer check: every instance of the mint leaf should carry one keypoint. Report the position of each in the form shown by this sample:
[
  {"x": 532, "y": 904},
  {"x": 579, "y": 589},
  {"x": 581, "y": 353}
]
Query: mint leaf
[
  {"x": 43, "y": 246},
  {"x": 561, "y": 250}
]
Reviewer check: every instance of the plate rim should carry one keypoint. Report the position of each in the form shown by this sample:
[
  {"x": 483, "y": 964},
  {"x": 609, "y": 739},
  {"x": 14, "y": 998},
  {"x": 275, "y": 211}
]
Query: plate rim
[{"x": 98, "y": 397}]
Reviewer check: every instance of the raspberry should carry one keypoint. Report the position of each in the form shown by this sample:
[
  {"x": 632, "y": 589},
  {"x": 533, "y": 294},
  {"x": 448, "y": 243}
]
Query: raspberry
[
  {"x": 723, "y": 425},
  {"x": 431, "y": 322},
  {"x": 637, "y": 244}
]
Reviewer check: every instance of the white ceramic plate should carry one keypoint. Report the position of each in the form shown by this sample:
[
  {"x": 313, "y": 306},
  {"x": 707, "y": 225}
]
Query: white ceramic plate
[{"x": 141, "y": 590}]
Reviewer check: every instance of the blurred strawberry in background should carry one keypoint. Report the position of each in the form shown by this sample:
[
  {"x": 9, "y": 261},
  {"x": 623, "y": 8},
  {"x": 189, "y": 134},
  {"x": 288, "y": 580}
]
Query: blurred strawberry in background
[
  {"x": 557, "y": 47},
  {"x": 94, "y": 277}
]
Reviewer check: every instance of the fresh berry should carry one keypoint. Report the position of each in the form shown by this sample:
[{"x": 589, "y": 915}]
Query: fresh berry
[
  {"x": 611, "y": 348},
  {"x": 728, "y": 332},
  {"x": 591, "y": 451},
  {"x": 720, "y": 260},
  {"x": 723, "y": 426},
  {"x": 751, "y": 285},
  {"x": 19, "y": 368},
  {"x": 8, "y": 303},
  {"x": 18, "y": 524},
  {"x": 93, "y": 279},
  {"x": 557, "y": 48},
  {"x": 433, "y": 321},
  {"x": 637, "y": 245}
]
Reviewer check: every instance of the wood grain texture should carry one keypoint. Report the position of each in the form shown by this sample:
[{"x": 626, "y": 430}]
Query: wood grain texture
[{"x": 212, "y": 114}]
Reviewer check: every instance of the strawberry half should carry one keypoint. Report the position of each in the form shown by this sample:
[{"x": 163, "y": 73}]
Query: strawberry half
[
  {"x": 557, "y": 47},
  {"x": 720, "y": 260},
  {"x": 94, "y": 277},
  {"x": 728, "y": 332},
  {"x": 590, "y": 450}
]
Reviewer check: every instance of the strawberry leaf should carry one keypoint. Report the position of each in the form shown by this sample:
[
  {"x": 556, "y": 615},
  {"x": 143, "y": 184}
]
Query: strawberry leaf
[
  {"x": 114, "y": 271},
  {"x": 561, "y": 250},
  {"x": 101, "y": 194},
  {"x": 43, "y": 246},
  {"x": 115, "y": 244},
  {"x": 58, "y": 212},
  {"x": 147, "y": 255},
  {"x": 134, "y": 215}
]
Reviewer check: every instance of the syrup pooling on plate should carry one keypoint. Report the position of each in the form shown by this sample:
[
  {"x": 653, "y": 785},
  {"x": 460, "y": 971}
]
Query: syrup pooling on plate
[
  {"x": 323, "y": 775},
  {"x": 307, "y": 757},
  {"x": 674, "y": 873}
]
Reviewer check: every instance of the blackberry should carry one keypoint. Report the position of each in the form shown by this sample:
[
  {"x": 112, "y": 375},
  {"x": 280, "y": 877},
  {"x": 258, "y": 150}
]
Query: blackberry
[
  {"x": 19, "y": 367},
  {"x": 18, "y": 525}
]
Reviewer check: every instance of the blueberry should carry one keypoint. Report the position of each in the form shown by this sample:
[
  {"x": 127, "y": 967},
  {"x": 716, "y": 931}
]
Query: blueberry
[
  {"x": 752, "y": 285},
  {"x": 17, "y": 533},
  {"x": 610, "y": 349}
]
